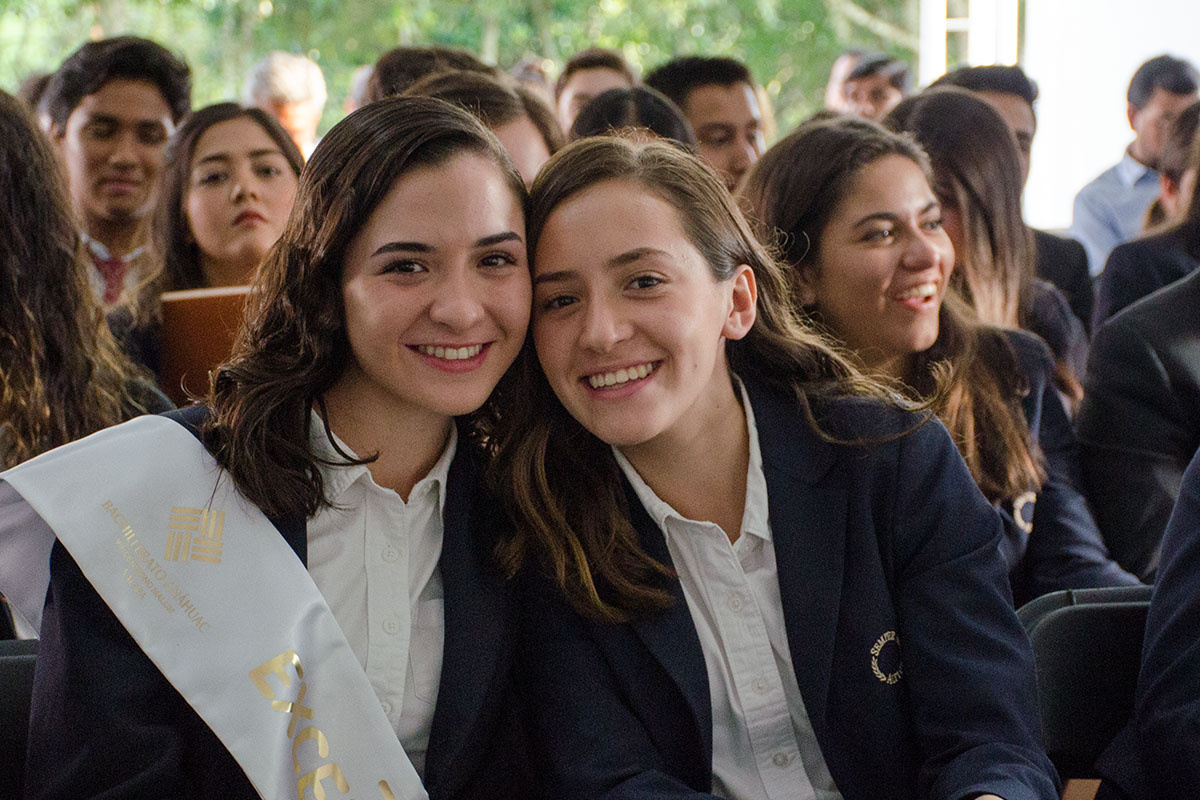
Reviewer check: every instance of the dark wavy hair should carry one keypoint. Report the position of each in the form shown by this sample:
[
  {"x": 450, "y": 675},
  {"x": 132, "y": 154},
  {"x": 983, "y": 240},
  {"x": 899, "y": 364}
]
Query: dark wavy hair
[
  {"x": 180, "y": 253},
  {"x": 614, "y": 110},
  {"x": 560, "y": 483},
  {"x": 96, "y": 63},
  {"x": 293, "y": 346},
  {"x": 61, "y": 374},
  {"x": 970, "y": 375}
]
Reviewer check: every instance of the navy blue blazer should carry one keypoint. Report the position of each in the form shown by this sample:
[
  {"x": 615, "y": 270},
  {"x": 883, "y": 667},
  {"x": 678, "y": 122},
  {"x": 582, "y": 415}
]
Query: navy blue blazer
[
  {"x": 106, "y": 723},
  {"x": 1138, "y": 269},
  {"x": 1065, "y": 549},
  {"x": 869, "y": 539},
  {"x": 1157, "y": 756}
]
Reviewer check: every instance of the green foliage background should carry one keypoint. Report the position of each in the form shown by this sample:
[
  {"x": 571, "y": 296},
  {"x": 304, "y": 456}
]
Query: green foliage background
[{"x": 789, "y": 44}]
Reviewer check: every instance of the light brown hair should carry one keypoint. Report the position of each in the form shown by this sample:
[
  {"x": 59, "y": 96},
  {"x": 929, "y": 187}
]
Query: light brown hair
[{"x": 561, "y": 484}]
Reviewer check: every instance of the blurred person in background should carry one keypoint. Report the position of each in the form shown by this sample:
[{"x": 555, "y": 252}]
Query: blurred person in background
[
  {"x": 230, "y": 180},
  {"x": 636, "y": 111},
  {"x": 523, "y": 123},
  {"x": 586, "y": 75},
  {"x": 835, "y": 90},
  {"x": 401, "y": 67},
  {"x": 1144, "y": 265},
  {"x": 1011, "y": 92},
  {"x": 876, "y": 85},
  {"x": 112, "y": 105},
  {"x": 291, "y": 88},
  {"x": 720, "y": 99},
  {"x": 1111, "y": 209}
]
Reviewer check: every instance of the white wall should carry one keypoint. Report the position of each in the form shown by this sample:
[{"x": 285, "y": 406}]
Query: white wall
[{"x": 1082, "y": 54}]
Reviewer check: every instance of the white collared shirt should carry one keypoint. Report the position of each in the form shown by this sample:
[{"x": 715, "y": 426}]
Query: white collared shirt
[
  {"x": 764, "y": 747},
  {"x": 375, "y": 560}
]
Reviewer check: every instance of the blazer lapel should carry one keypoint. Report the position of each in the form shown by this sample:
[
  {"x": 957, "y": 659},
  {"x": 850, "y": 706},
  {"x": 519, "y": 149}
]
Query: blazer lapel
[
  {"x": 807, "y": 509},
  {"x": 478, "y": 626},
  {"x": 670, "y": 635}
]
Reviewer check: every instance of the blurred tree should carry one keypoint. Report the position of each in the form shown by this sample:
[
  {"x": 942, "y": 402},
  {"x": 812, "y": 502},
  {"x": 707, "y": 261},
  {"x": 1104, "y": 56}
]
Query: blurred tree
[{"x": 788, "y": 44}]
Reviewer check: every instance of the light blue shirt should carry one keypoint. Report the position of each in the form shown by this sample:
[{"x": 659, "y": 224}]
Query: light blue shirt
[{"x": 1111, "y": 209}]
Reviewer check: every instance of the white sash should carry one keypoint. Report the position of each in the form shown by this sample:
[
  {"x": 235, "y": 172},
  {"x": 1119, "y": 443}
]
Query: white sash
[{"x": 212, "y": 593}]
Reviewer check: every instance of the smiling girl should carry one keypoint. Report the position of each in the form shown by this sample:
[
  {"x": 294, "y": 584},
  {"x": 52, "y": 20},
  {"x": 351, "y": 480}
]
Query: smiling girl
[
  {"x": 752, "y": 574},
  {"x": 307, "y": 601},
  {"x": 861, "y": 231}
]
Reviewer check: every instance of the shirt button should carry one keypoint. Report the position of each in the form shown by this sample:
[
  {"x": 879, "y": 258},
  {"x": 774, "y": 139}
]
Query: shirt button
[
  {"x": 736, "y": 602},
  {"x": 387, "y": 707},
  {"x": 391, "y": 626},
  {"x": 761, "y": 685},
  {"x": 781, "y": 759},
  {"x": 390, "y": 554}
]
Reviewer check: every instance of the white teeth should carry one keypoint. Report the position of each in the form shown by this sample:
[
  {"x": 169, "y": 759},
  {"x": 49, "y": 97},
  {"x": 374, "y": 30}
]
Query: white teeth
[
  {"x": 621, "y": 376},
  {"x": 450, "y": 353},
  {"x": 923, "y": 291}
]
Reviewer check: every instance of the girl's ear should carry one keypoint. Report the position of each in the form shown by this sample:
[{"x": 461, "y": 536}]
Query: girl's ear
[{"x": 743, "y": 308}]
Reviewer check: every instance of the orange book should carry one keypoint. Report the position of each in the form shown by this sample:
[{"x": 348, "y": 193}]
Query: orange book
[{"x": 199, "y": 326}]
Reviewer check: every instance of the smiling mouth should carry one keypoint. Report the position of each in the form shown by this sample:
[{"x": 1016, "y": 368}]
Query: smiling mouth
[
  {"x": 920, "y": 293},
  {"x": 608, "y": 380},
  {"x": 450, "y": 353}
]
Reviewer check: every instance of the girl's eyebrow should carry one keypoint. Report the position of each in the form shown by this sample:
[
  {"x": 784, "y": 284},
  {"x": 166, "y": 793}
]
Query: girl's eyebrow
[
  {"x": 421, "y": 247},
  {"x": 628, "y": 257}
]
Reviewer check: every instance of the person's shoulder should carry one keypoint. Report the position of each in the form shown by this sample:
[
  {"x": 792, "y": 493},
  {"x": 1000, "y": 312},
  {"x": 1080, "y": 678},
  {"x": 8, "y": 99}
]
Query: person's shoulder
[
  {"x": 1101, "y": 185},
  {"x": 1033, "y": 354}
]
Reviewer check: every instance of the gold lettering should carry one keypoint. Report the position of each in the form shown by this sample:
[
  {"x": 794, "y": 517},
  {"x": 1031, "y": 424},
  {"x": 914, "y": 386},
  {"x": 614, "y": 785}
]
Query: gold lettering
[
  {"x": 311, "y": 732},
  {"x": 315, "y": 777},
  {"x": 276, "y": 667},
  {"x": 294, "y": 708}
]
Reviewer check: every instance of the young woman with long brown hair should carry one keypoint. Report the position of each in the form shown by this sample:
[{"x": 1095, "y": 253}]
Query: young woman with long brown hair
[
  {"x": 861, "y": 231},
  {"x": 976, "y": 176},
  {"x": 731, "y": 535},
  {"x": 61, "y": 375},
  {"x": 294, "y": 587}
]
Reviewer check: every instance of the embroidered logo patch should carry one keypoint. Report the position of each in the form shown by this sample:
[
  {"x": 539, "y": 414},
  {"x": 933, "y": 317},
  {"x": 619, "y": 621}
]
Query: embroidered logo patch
[
  {"x": 194, "y": 534},
  {"x": 890, "y": 678}
]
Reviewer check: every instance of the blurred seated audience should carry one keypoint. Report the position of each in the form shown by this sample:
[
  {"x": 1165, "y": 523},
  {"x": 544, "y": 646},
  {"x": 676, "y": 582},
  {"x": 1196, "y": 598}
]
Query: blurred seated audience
[
  {"x": 720, "y": 99},
  {"x": 291, "y": 88},
  {"x": 1176, "y": 152},
  {"x": 401, "y": 67},
  {"x": 835, "y": 90},
  {"x": 523, "y": 123},
  {"x": 977, "y": 178},
  {"x": 852, "y": 212},
  {"x": 586, "y": 75},
  {"x": 876, "y": 85},
  {"x": 639, "y": 110},
  {"x": 357, "y": 96},
  {"x": 112, "y": 105},
  {"x": 1011, "y": 92},
  {"x": 1112, "y": 208},
  {"x": 1142, "y": 266},
  {"x": 61, "y": 374},
  {"x": 231, "y": 176},
  {"x": 1139, "y": 424}
]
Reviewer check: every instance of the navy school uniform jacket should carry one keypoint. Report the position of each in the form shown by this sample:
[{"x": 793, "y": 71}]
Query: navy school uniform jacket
[
  {"x": 870, "y": 540},
  {"x": 106, "y": 723},
  {"x": 1064, "y": 549}
]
